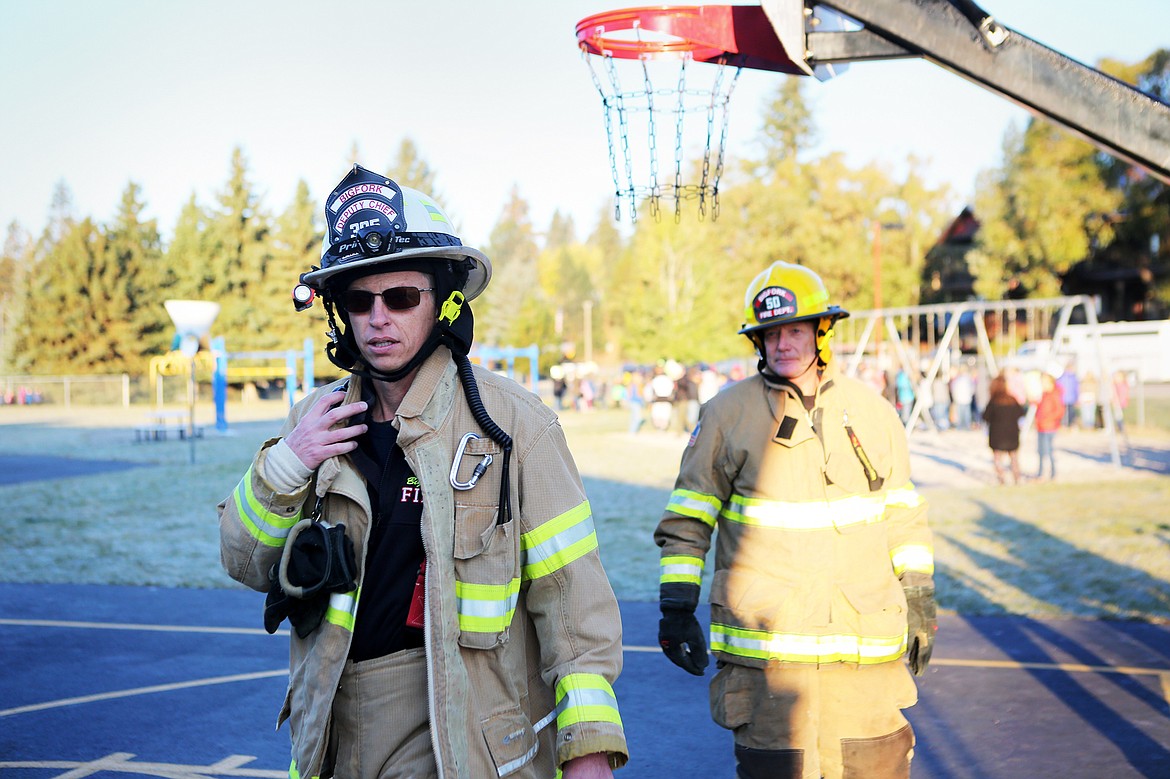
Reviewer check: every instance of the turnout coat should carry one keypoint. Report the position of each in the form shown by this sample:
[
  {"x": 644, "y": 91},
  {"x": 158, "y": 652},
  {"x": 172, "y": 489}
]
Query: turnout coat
[
  {"x": 522, "y": 631},
  {"x": 813, "y": 548}
]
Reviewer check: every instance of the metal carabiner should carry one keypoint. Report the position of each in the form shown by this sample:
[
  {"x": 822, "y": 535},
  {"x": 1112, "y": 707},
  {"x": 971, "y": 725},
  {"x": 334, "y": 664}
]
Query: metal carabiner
[{"x": 475, "y": 474}]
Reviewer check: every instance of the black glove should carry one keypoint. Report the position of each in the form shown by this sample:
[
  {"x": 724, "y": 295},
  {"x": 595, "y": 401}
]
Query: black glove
[
  {"x": 922, "y": 619},
  {"x": 681, "y": 637},
  {"x": 317, "y": 560}
]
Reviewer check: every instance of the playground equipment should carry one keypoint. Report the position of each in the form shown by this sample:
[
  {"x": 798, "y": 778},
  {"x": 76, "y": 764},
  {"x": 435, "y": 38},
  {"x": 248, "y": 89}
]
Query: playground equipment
[
  {"x": 273, "y": 365},
  {"x": 924, "y": 340},
  {"x": 485, "y": 355}
]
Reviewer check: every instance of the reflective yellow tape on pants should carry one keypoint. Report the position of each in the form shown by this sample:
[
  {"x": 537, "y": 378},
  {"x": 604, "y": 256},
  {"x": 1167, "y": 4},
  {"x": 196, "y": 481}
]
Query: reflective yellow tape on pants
[
  {"x": 267, "y": 527},
  {"x": 798, "y": 648},
  {"x": 586, "y": 698},
  {"x": 681, "y": 568}
]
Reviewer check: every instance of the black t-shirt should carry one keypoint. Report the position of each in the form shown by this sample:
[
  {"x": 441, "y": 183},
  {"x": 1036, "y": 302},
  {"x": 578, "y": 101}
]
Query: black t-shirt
[{"x": 395, "y": 550}]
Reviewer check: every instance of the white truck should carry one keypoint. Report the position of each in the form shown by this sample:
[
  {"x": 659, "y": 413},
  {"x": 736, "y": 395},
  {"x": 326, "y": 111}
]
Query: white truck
[{"x": 1142, "y": 348}]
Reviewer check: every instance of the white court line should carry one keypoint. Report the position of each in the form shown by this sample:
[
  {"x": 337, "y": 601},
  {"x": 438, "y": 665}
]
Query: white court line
[
  {"x": 106, "y": 696},
  {"x": 52, "y": 623},
  {"x": 122, "y": 762}
]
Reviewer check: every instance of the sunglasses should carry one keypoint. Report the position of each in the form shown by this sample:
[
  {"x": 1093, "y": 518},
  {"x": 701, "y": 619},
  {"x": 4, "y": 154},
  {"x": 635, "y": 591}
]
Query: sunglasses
[{"x": 360, "y": 301}]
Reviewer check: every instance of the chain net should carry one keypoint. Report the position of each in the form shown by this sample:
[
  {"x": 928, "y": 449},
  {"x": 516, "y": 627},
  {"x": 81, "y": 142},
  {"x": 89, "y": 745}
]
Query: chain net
[{"x": 685, "y": 119}]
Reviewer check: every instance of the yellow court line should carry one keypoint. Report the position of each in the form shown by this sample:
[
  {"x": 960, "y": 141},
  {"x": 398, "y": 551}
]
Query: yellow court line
[
  {"x": 106, "y": 696},
  {"x": 1011, "y": 665}
]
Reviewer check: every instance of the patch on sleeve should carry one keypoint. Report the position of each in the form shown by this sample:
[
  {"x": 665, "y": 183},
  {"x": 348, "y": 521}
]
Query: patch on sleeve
[
  {"x": 787, "y": 426},
  {"x": 694, "y": 435}
]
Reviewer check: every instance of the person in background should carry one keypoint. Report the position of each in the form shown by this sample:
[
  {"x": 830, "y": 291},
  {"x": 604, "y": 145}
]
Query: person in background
[
  {"x": 962, "y": 396},
  {"x": 822, "y": 603},
  {"x": 1120, "y": 399},
  {"x": 940, "y": 393},
  {"x": 1002, "y": 415},
  {"x": 1049, "y": 415},
  {"x": 1087, "y": 401},
  {"x": 1070, "y": 393}
]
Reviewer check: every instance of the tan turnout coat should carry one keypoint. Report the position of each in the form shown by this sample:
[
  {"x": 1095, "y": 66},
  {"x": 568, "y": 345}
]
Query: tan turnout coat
[
  {"x": 523, "y": 635},
  {"x": 811, "y": 557}
]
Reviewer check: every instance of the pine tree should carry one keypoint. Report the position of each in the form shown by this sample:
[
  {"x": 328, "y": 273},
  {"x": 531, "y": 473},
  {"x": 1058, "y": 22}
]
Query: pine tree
[
  {"x": 134, "y": 252},
  {"x": 295, "y": 248},
  {"x": 16, "y": 258},
  {"x": 509, "y": 301},
  {"x": 237, "y": 255}
]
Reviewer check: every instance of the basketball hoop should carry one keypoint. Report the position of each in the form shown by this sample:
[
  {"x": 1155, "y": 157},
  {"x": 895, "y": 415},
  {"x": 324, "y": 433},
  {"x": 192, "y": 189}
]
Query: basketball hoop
[{"x": 666, "y": 41}]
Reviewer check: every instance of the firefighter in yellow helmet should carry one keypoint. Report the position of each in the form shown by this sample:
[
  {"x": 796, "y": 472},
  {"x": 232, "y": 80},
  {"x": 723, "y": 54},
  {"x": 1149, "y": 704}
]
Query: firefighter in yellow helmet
[{"x": 823, "y": 589}]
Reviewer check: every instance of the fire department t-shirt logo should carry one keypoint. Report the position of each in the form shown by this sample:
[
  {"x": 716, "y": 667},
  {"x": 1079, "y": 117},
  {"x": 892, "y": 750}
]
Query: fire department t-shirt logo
[{"x": 774, "y": 302}]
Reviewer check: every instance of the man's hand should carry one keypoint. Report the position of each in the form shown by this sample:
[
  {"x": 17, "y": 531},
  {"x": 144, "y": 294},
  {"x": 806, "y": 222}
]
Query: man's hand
[
  {"x": 922, "y": 624},
  {"x": 595, "y": 766},
  {"x": 314, "y": 440},
  {"x": 681, "y": 638}
]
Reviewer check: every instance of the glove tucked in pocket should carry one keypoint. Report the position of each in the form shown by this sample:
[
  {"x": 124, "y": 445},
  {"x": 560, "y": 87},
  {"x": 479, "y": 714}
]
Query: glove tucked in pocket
[{"x": 317, "y": 561}]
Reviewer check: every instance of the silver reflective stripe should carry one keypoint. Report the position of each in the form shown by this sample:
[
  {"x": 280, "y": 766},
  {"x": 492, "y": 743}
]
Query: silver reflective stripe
[{"x": 560, "y": 542}]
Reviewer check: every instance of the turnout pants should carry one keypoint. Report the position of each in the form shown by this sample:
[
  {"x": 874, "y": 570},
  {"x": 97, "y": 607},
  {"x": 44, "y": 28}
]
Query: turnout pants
[
  {"x": 835, "y": 721},
  {"x": 381, "y": 727}
]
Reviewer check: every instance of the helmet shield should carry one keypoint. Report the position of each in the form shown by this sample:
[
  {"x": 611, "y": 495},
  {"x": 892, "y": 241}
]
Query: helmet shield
[
  {"x": 372, "y": 224},
  {"x": 783, "y": 293}
]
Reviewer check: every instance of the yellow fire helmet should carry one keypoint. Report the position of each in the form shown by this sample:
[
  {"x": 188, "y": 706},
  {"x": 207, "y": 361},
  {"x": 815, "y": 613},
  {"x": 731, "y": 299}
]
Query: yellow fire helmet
[{"x": 784, "y": 293}]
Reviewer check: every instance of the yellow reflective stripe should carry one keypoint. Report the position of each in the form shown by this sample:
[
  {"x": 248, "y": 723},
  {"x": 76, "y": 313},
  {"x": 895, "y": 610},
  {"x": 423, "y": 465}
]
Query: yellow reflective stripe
[
  {"x": 293, "y": 773},
  {"x": 681, "y": 568},
  {"x": 696, "y": 505},
  {"x": 267, "y": 527},
  {"x": 918, "y": 558},
  {"x": 486, "y": 608},
  {"x": 558, "y": 542},
  {"x": 436, "y": 214},
  {"x": 586, "y": 698},
  {"x": 805, "y": 515},
  {"x": 799, "y": 648},
  {"x": 342, "y": 608},
  {"x": 904, "y": 497}
]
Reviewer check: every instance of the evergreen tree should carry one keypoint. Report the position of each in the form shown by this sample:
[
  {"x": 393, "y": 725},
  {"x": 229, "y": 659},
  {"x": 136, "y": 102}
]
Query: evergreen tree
[
  {"x": 788, "y": 126},
  {"x": 561, "y": 231},
  {"x": 296, "y": 247},
  {"x": 506, "y": 312},
  {"x": 139, "y": 283},
  {"x": 409, "y": 169},
  {"x": 237, "y": 254},
  {"x": 57, "y": 322},
  {"x": 186, "y": 255},
  {"x": 16, "y": 258}
]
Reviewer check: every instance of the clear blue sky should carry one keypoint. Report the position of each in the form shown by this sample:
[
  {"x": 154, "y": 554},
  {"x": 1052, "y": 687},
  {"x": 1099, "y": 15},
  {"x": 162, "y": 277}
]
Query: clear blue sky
[{"x": 101, "y": 92}]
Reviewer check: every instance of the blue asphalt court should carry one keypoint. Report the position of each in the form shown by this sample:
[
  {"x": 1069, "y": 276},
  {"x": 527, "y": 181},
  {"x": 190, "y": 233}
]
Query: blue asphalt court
[{"x": 105, "y": 681}]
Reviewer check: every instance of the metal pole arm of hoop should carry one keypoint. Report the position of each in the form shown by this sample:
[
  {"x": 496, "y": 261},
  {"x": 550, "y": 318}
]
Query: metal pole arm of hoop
[{"x": 739, "y": 36}]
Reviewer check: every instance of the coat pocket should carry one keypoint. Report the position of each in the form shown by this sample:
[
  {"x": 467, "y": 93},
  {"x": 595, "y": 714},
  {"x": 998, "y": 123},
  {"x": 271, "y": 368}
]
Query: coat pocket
[
  {"x": 511, "y": 740},
  {"x": 487, "y": 576},
  {"x": 733, "y": 693}
]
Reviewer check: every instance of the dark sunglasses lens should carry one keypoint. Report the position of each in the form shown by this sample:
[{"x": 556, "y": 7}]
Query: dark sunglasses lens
[
  {"x": 398, "y": 298},
  {"x": 357, "y": 301}
]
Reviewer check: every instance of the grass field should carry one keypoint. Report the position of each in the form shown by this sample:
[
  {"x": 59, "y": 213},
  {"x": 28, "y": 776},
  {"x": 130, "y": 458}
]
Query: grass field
[{"x": 1091, "y": 548}]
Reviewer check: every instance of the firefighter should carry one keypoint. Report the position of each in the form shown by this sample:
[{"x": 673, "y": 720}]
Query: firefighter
[
  {"x": 442, "y": 626},
  {"x": 823, "y": 578}
]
